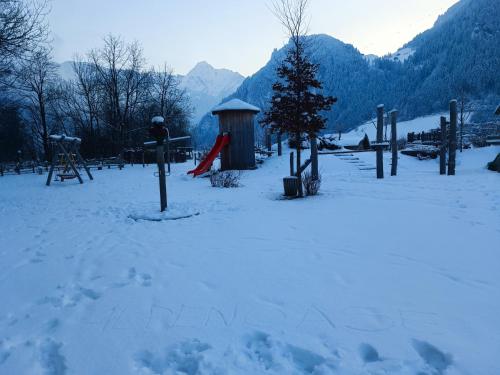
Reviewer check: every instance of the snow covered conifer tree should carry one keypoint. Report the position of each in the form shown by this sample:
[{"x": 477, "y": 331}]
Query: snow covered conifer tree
[{"x": 297, "y": 103}]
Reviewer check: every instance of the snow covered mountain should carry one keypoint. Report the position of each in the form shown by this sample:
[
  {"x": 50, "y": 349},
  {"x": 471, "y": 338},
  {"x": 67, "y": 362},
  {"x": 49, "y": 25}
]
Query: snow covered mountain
[
  {"x": 207, "y": 86},
  {"x": 460, "y": 51}
]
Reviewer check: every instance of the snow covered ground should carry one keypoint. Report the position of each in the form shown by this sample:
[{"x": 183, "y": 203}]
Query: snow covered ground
[{"x": 394, "y": 276}]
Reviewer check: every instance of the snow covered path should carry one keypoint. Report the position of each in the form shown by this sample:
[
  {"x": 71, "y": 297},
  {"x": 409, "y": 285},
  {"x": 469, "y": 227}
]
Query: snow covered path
[{"x": 399, "y": 276}]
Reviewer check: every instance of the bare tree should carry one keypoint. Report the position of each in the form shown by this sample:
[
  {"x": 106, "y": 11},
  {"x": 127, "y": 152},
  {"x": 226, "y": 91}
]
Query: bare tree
[
  {"x": 292, "y": 15},
  {"x": 22, "y": 29},
  {"x": 120, "y": 74},
  {"x": 35, "y": 81},
  {"x": 170, "y": 100},
  {"x": 465, "y": 108}
]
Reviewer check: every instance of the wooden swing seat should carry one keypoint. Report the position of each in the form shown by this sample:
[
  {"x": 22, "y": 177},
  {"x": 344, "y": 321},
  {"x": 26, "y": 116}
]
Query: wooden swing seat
[{"x": 66, "y": 176}]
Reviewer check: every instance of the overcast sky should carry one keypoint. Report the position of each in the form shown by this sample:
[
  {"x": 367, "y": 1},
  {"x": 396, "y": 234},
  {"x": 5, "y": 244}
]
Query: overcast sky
[{"x": 235, "y": 34}]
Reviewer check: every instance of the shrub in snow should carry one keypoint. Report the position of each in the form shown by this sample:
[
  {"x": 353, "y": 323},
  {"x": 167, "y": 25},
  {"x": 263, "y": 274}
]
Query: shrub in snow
[
  {"x": 226, "y": 179},
  {"x": 365, "y": 143},
  {"x": 311, "y": 185},
  {"x": 328, "y": 142}
]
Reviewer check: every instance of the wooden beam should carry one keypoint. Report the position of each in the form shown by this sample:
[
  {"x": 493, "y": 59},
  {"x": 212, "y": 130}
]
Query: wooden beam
[
  {"x": 453, "y": 139},
  {"x": 443, "y": 148},
  {"x": 394, "y": 143}
]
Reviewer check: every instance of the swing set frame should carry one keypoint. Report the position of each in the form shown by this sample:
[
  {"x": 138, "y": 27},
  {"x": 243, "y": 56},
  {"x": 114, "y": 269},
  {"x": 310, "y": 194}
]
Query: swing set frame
[{"x": 68, "y": 146}]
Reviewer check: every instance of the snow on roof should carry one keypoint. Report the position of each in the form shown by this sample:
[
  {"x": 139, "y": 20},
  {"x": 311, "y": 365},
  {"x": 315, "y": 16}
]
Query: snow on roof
[
  {"x": 235, "y": 105},
  {"x": 64, "y": 137},
  {"x": 157, "y": 120}
]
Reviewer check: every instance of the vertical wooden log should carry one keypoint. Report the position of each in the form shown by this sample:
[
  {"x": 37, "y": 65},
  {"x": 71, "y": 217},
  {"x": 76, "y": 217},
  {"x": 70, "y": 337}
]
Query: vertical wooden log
[
  {"x": 380, "y": 139},
  {"x": 394, "y": 143},
  {"x": 160, "y": 156},
  {"x": 443, "y": 148},
  {"x": 452, "y": 139},
  {"x": 314, "y": 159},
  {"x": 280, "y": 145},
  {"x": 292, "y": 169},
  {"x": 269, "y": 142}
]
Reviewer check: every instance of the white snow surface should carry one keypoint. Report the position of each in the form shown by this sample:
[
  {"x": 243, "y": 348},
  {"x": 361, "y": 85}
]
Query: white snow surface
[
  {"x": 417, "y": 125},
  {"x": 235, "y": 105},
  {"x": 402, "y": 54},
  {"x": 393, "y": 276}
]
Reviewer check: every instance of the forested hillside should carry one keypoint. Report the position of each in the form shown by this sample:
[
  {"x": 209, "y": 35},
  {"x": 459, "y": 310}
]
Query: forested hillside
[{"x": 458, "y": 57}]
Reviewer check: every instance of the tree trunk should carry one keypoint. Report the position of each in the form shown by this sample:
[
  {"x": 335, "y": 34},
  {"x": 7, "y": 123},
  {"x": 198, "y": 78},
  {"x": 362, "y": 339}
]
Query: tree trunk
[
  {"x": 299, "y": 165},
  {"x": 280, "y": 146},
  {"x": 45, "y": 130}
]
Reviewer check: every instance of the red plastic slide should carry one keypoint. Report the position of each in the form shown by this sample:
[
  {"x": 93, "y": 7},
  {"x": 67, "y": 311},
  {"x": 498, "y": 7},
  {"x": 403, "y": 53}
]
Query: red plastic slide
[{"x": 204, "y": 166}]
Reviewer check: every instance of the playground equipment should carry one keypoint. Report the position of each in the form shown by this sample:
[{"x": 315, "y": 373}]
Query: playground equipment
[
  {"x": 70, "y": 155},
  {"x": 236, "y": 140},
  {"x": 221, "y": 142}
]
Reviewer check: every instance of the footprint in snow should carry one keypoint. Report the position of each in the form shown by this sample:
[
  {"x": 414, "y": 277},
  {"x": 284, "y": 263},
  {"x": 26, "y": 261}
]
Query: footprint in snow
[
  {"x": 433, "y": 357},
  {"x": 143, "y": 279},
  {"x": 185, "y": 358},
  {"x": 51, "y": 359},
  {"x": 368, "y": 353}
]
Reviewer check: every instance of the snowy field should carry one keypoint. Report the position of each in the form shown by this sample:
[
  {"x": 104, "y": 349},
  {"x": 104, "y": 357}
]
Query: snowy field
[{"x": 399, "y": 276}]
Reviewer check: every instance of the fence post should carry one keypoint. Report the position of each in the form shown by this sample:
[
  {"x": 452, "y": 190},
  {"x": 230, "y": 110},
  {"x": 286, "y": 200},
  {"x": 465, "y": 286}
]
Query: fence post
[
  {"x": 380, "y": 139},
  {"x": 394, "y": 142},
  {"x": 452, "y": 139},
  {"x": 442, "y": 150}
]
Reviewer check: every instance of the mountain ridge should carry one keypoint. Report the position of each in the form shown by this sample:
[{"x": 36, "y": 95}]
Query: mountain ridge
[{"x": 461, "y": 49}]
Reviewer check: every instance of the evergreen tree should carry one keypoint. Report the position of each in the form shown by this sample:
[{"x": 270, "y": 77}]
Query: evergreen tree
[{"x": 297, "y": 103}]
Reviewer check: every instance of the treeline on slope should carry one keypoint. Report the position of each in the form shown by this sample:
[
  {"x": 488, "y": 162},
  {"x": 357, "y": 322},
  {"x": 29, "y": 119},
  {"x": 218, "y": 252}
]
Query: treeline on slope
[
  {"x": 458, "y": 58},
  {"x": 108, "y": 103}
]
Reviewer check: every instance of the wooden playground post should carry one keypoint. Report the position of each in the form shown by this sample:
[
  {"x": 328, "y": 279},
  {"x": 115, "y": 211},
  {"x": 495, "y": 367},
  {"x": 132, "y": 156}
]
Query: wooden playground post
[
  {"x": 160, "y": 156},
  {"x": 380, "y": 139},
  {"x": 452, "y": 139},
  {"x": 394, "y": 143},
  {"x": 442, "y": 149},
  {"x": 314, "y": 158},
  {"x": 159, "y": 132}
]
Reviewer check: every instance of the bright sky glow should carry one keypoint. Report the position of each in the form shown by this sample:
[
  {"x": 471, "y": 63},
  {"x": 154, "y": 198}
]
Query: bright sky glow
[{"x": 234, "y": 34}]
